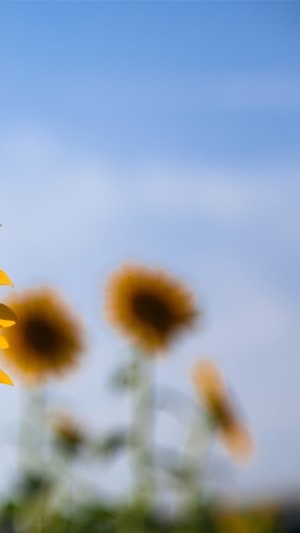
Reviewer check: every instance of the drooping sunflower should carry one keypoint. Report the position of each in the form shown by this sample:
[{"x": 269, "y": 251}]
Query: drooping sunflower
[
  {"x": 47, "y": 339},
  {"x": 210, "y": 385},
  {"x": 7, "y": 319},
  {"x": 149, "y": 306}
]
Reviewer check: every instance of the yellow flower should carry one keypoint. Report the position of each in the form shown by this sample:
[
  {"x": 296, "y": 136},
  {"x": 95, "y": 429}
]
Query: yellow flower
[
  {"x": 261, "y": 519},
  {"x": 47, "y": 339},
  {"x": 149, "y": 306},
  {"x": 7, "y": 316},
  {"x": 7, "y": 319},
  {"x": 210, "y": 385}
]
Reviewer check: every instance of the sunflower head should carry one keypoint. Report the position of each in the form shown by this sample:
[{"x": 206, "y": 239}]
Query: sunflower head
[
  {"x": 210, "y": 385},
  {"x": 69, "y": 434},
  {"x": 149, "y": 306},
  {"x": 47, "y": 339}
]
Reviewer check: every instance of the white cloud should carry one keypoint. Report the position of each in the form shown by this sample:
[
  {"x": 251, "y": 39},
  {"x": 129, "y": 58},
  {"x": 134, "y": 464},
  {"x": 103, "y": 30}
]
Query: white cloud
[{"x": 35, "y": 164}]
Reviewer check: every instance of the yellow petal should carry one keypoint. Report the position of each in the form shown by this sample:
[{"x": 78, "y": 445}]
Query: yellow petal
[
  {"x": 4, "y": 279},
  {"x": 7, "y": 316},
  {"x": 3, "y": 343},
  {"x": 4, "y": 378},
  {"x": 208, "y": 380},
  {"x": 238, "y": 442}
]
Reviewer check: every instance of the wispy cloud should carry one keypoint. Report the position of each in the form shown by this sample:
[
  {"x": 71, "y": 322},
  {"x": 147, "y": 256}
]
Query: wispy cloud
[{"x": 54, "y": 193}]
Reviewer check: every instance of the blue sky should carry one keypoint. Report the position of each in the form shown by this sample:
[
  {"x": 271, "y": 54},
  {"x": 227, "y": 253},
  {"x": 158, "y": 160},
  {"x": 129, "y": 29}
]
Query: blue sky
[{"x": 168, "y": 133}]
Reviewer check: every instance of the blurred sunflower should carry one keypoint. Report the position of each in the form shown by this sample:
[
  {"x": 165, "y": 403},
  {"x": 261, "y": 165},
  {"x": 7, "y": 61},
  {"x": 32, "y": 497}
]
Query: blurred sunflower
[
  {"x": 210, "y": 385},
  {"x": 149, "y": 306},
  {"x": 47, "y": 339},
  {"x": 69, "y": 433},
  {"x": 7, "y": 319}
]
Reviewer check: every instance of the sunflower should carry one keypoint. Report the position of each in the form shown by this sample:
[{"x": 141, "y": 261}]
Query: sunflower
[
  {"x": 7, "y": 319},
  {"x": 69, "y": 434},
  {"x": 149, "y": 306},
  {"x": 210, "y": 385},
  {"x": 47, "y": 339}
]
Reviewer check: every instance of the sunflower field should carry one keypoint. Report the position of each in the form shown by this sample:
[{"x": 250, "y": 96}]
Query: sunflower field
[{"x": 42, "y": 340}]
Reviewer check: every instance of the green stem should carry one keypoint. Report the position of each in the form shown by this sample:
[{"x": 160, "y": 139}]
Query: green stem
[
  {"x": 195, "y": 456},
  {"x": 32, "y": 450},
  {"x": 143, "y": 432},
  {"x": 32, "y": 432}
]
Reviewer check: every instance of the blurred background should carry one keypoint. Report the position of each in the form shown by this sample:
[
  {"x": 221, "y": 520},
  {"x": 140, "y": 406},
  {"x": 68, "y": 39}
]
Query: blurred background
[{"x": 165, "y": 133}]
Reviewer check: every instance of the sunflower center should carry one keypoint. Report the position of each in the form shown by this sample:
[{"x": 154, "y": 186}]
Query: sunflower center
[
  {"x": 42, "y": 336},
  {"x": 153, "y": 311}
]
